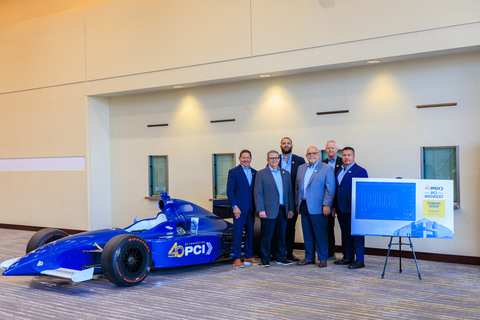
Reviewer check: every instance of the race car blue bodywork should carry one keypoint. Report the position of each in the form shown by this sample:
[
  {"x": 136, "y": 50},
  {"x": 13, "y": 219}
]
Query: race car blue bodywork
[{"x": 182, "y": 234}]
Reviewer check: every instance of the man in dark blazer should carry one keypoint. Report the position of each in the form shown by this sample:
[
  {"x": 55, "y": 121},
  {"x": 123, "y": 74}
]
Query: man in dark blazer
[
  {"x": 336, "y": 163},
  {"x": 290, "y": 162},
  {"x": 240, "y": 184},
  {"x": 314, "y": 192},
  {"x": 274, "y": 203},
  {"x": 354, "y": 245}
]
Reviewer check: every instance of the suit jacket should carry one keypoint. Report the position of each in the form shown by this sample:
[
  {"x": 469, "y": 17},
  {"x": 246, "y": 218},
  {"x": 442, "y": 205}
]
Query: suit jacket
[
  {"x": 338, "y": 167},
  {"x": 296, "y": 162},
  {"x": 239, "y": 192},
  {"x": 266, "y": 193},
  {"x": 344, "y": 189},
  {"x": 320, "y": 189}
]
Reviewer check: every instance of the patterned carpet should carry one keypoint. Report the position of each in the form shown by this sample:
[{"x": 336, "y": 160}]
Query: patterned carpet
[{"x": 219, "y": 291}]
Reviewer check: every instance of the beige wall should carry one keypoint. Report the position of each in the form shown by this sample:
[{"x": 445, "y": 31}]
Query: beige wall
[
  {"x": 383, "y": 125},
  {"x": 56, "y": 65}
]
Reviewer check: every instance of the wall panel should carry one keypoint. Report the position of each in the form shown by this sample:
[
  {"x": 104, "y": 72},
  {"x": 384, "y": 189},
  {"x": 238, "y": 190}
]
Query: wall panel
[
  {"x": 44, "y": 198},
  {"x": 45, "y": 59},
  {"x": 285, "y": 25},
  {"x": 174, "y": 34}
]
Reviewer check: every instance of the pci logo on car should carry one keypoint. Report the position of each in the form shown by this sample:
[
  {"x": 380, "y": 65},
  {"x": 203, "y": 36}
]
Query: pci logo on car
[{"x": 178, "y": 251}]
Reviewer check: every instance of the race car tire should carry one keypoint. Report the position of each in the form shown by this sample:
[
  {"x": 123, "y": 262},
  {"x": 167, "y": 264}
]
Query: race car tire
[
  {"x": 43, "y": 237},
  {"x": 126, "y": 260}
]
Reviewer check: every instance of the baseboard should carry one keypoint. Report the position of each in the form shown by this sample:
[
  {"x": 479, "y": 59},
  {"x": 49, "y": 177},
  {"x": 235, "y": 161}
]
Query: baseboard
[
  {"x": 407, "y": 253},
  {"x": 35, "y": 228}
]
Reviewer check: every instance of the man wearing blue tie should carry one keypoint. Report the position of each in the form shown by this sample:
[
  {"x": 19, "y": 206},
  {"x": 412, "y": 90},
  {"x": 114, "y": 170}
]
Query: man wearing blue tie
[
  {"x": 314, "y": 189},
  {"x": 354, "y": 245},
  {"x": 240, "y": 195}
]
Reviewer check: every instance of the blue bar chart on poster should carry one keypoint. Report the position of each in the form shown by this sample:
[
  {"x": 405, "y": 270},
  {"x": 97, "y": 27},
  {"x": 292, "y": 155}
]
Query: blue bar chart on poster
[{"x": 419, "y": 208}]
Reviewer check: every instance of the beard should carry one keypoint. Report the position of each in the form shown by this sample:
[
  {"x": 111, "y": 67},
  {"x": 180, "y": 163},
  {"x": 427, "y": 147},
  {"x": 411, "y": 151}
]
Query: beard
[{"x": 287, "y": 149}]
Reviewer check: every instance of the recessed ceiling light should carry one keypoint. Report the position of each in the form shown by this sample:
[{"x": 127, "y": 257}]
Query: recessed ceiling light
[
  {"x": 178, "y": 87},
  {"x": 264, "y": 75},
  {"x": 373, "y": 61}
]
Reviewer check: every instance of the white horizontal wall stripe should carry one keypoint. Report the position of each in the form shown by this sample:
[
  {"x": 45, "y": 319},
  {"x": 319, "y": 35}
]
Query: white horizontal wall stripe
[{"x": 35, "y": 164}]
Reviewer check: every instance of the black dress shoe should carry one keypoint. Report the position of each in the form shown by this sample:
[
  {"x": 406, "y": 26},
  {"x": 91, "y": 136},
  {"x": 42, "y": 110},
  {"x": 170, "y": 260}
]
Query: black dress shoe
[
  {"x": 357, "y": 265},
  {"x": 343, "y": 262},
  {"x": 291, "y": 257}
]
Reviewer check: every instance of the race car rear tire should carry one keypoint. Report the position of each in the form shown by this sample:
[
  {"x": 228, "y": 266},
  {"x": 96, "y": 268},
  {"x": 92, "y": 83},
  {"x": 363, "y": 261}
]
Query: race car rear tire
[
  {"x": 126, "y": 260},
  {"x": 43, "y": 237}
]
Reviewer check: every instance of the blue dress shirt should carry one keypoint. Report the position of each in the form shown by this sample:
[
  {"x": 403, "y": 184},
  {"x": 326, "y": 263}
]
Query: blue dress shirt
[
  {"x": 332, "y": 162},
  {"x": 248, "y": 173},
  {"x": 287, "y": 165},
  {"x": 341, "y": 174},
  {"x": 306, "y": 178},
  {"x": 277, "y": 175}
]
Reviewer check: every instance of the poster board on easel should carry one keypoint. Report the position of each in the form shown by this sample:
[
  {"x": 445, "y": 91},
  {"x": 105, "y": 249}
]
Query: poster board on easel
[{"x": 417, "y": 208}]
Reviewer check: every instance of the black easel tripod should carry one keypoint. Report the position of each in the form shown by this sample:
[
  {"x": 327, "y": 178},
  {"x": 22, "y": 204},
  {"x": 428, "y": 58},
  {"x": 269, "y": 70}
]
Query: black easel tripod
[{"x": 400, "y": 255}]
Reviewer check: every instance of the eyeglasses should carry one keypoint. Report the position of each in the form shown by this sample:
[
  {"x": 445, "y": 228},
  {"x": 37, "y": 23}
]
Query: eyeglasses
[
  {"x": 274, "y": 158},
  {"x": 312, "y": 154}
]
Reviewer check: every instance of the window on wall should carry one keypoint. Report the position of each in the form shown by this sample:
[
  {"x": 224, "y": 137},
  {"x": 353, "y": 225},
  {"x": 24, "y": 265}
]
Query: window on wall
[
  {"x": 158, "y": 175},
  {"x": 222, "y": 163},
  {"x": 325, "y": 155},
  {"x": 442, "y": 163}
]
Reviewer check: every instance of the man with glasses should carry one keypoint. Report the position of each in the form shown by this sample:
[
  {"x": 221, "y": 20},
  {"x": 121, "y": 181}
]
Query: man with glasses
[
  {"x": 274, "y": 203},
  {"x": 314, "y": 192}
]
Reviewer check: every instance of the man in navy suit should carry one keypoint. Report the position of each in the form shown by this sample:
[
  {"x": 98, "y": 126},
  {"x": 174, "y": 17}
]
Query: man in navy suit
[
  {"x": 240, "y": 195},
  {"x": 290, "y": 162},
  {"x": 354, "y": 245},
  {"x": 274, "y": 202},
  {"x": 336, "y": 163},
  {"x": 314, "y": 193}
]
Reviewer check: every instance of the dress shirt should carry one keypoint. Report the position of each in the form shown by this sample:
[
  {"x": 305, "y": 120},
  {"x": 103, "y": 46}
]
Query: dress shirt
[
  {"x": 342, "y": 173},
  {"x": 332, "y": 162},
  {"x": 248, "y": 173},
  {"x": 307, "y": 176},
  {"x": 287, "y": 165},
  {"x": 277, "y": 175}
]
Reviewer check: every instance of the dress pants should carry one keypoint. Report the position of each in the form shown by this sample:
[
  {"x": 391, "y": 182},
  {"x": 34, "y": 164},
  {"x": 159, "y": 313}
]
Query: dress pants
[
  {"x": 289, "y": 236},
  {"x": 247, "y": 221},
  {"x": 268, "y": 228},
  {"x": 331, "y": 235},
  {"x": 314, "y": 227},
  {"x": 353, "y": 245}
]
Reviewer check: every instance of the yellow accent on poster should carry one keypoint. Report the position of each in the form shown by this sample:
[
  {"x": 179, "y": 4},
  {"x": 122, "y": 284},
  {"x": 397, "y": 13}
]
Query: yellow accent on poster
[{"x": 434, "y": 208}]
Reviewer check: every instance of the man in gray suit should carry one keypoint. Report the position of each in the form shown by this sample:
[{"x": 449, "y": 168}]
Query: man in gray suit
[
  {"x": 314, "y": 192},
  {"x": 274, "y": 202}
]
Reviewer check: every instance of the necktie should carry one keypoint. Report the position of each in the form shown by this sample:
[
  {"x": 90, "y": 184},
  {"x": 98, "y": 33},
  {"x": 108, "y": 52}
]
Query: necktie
[{"x": 345, "y": 167}]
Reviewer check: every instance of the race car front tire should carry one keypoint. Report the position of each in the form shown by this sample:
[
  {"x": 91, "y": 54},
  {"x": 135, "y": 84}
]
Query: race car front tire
[
  {"x": 126, "y": 260},
  {"x": 43, "y": 237}
]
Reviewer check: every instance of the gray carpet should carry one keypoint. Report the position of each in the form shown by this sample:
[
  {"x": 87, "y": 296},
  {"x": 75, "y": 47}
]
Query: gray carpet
[{"x": 219, "y": 291}]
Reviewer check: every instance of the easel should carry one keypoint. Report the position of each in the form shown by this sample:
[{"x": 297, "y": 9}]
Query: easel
[{"x": 400, "y": 255}]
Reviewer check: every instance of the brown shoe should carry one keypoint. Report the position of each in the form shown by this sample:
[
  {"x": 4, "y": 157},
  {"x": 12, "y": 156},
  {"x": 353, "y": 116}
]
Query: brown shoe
[
  {"x": 322, "y": 264},
  {"x": 250, "y": 261},
  {"x": 238, "y": 263},
  {"x": 305, "y": 261}
]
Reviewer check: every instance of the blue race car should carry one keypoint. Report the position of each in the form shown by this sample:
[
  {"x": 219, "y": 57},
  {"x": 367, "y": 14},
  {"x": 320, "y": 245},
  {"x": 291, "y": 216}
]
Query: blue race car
[{"x": 182, "y": 234}]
